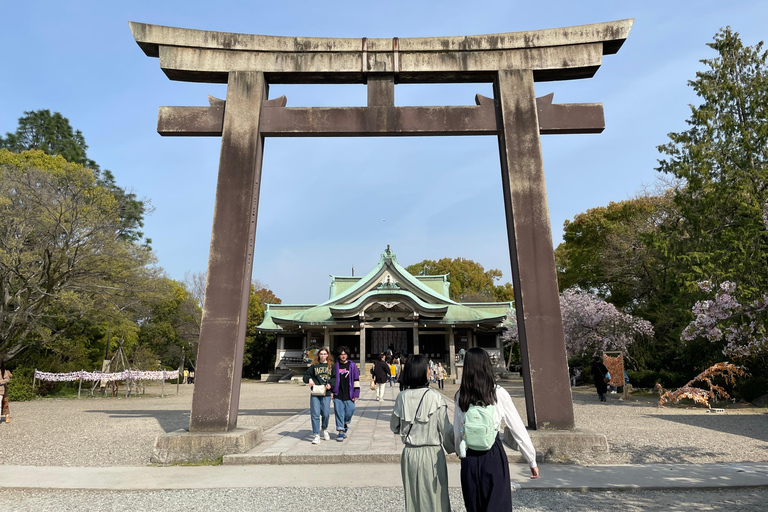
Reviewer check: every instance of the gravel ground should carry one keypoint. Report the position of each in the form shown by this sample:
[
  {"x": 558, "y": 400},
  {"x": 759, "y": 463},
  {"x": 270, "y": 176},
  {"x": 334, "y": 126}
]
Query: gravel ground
[
  {"x": 121, "y": 431},
  {"x": 103, "y": 432},
  {"x": 380, "y": 500}
]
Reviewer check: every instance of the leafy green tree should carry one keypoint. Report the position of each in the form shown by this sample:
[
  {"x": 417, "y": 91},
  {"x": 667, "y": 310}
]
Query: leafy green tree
[
  {"x": 260, "y": 347},
  {"x": 470, "y": 282},
  {"x": 172, "y": 329},
  {"x": 611, "y": 250},
  {"x": 61, "y": 256},
  {"x": 50, "y": 133},
  {"x": 53, "y": 135},
  {"x": 722, "y": 161}
]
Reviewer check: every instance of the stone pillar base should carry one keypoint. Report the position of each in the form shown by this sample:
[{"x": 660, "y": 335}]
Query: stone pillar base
[
  {"x": 558, "y": 445},
  {"x": 182, "y": 447}
]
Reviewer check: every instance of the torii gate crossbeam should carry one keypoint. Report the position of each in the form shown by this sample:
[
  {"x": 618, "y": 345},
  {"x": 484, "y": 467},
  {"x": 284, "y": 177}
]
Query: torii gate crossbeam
[{"x": 512, "y": 62}]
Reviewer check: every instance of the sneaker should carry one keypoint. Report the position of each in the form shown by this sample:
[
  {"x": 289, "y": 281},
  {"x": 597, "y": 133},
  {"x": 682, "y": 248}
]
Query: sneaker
[
  {"x": 316, "y": 439},
  {"x": 341, "y": 437},
  {"x": 326, "y": 436}
]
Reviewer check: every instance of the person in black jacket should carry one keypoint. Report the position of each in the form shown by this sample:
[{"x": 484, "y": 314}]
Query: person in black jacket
[
  {"x": 380, "y": 373},
  {"x": 598, "y": 372}
]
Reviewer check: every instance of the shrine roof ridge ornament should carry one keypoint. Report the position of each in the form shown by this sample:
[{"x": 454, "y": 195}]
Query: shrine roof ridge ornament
[{"x": 553, "y": 54}]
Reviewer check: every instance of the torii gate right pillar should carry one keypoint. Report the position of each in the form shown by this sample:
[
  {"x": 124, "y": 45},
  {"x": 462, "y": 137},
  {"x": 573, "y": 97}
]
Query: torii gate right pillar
[{"x": 537, "y": 302}]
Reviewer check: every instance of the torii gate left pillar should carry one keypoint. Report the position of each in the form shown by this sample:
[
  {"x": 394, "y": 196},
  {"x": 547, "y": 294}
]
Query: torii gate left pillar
[{"x": 512, "y": 62}]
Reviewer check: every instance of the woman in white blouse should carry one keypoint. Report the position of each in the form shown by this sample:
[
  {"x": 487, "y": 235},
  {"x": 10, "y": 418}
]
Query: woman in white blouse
[{"x": 485, "y": 479}]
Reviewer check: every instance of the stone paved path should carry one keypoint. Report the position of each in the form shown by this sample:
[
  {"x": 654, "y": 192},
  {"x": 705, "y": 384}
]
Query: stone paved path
[{"x": 369, "y": 437}]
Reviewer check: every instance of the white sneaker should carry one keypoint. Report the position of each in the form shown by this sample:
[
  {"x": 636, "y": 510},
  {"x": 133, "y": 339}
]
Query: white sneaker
[
  {"x": 316, "y": 439},
  {"x": 326, "y": 436}
]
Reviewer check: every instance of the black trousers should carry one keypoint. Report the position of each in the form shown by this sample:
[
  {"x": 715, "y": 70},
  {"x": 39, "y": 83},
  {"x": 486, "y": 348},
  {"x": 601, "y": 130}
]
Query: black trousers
[{"x": 485, "y": 482}]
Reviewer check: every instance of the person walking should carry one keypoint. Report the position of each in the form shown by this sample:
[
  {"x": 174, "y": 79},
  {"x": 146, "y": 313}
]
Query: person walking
[
  {"x": 599, "y": 373},
  {"x": 5, "y": 378},
  {"x": 485, "y": 482},
  {"x": 345, "y": 392},
  {"x": 380, "y": 375},
  {"x": 392, "y": 373},
  {"x": 320, "y": 373},
  {"x": 420, "y": 418},
  {"x": 440, "y": 375}
]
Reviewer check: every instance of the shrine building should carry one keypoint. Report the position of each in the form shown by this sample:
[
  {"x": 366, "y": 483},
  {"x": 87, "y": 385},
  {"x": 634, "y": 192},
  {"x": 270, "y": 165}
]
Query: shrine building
[{"x": 387, "y": 308}]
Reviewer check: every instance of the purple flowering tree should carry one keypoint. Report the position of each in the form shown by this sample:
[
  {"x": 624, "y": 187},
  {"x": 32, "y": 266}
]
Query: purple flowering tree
[
  {"x": 743, "y": 326},
  {"x": 590, "y": 324}
]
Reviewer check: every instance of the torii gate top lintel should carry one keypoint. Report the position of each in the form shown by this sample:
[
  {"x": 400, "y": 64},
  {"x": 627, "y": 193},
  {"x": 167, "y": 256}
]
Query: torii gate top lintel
[{"x": 552, "y": 54}]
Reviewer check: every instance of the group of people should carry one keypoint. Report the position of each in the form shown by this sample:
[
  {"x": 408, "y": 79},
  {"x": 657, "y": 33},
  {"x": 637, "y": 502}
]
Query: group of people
[
  {"x": 420, "y": 417},
  {"x": 341, "y": 382},
  {"x": 189, "y": 377}
]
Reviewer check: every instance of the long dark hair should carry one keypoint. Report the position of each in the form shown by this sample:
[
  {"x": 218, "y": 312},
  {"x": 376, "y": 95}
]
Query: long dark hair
[
  {"x": 415, "y": 372},
  {"x": 477, "y": 384}
]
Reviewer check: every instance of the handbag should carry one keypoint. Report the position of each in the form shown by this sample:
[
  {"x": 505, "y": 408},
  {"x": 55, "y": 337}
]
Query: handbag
[
  {"x": 373, "y": 384},
  {"x": 318, "y": 389},
  {"x": 607, "y": 378}
]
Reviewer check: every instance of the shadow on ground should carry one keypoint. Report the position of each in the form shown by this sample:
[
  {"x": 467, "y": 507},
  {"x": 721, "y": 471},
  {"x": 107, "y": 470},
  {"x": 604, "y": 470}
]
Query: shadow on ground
[
  {"x": 169, "y": 421},
  {"x": 753, "y": 425}
]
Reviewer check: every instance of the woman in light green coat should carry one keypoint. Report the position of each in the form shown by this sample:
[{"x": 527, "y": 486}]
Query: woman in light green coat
[{"x": 420, "y": 417}]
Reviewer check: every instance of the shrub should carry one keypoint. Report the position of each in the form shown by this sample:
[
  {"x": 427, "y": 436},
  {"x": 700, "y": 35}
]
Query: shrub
[
  {"x": 750, "y": 389},
  {"x": 20, "y": 386},
  {"x": 649, "y": 378}
]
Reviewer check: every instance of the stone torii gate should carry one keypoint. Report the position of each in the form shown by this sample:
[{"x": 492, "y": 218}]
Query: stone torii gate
[{"x": 513, "y": 62}]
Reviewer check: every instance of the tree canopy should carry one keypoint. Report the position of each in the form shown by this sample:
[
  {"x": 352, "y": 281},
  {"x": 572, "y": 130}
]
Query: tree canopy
[
  {"x": 61, "y": 253},
  {"x": 470, "y": 282},
  {"x": 53, "y": 135},
  {"x": 722, "y": 161}
]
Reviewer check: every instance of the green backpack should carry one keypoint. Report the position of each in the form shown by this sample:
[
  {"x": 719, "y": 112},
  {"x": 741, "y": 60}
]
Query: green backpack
[{"x": 479, "y": 430}]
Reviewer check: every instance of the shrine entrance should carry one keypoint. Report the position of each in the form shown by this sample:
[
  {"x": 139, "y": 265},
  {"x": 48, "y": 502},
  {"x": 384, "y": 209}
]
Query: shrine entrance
[{"x": 512, "y": 62}]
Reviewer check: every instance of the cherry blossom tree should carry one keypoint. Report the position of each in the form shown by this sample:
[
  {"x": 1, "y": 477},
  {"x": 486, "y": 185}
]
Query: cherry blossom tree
[
  {"x": 590, "y": 324},
  {"x": 743, "y": 326}
]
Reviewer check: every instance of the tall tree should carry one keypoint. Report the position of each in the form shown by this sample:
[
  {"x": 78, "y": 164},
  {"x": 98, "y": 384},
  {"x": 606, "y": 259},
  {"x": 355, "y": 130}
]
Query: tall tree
[
  {"x": 60, "y": 250},
  {"x": 722, "y": 160},
  {"x": 53, "y": 135},
  {"x": 470, "y": 282},
  {"x": 50, "y": 133}
]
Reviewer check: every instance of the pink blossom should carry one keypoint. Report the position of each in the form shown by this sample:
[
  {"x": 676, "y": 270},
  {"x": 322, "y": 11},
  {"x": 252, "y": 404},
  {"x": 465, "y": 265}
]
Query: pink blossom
[
  {"x": 743, "y": 326},
  {"x": 590, "y": 324}
]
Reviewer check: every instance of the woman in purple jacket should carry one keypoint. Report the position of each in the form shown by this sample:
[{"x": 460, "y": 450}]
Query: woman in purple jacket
[{"x": 346, "y": 391}]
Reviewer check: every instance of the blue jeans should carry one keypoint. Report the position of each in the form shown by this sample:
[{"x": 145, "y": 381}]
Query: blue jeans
[
  {"x": 319, "y": 406},
  {"x": 343, "y": 410}
]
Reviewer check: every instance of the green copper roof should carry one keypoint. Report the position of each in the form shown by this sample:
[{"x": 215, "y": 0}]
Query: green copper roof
[
  {"x": 438, "y": 283},
  {"x": 341, "y": 284},
  {"x": 388, "y": 287}
]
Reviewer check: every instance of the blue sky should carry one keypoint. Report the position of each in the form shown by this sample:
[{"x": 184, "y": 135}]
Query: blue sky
[{"x": 329, "y": 204}]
